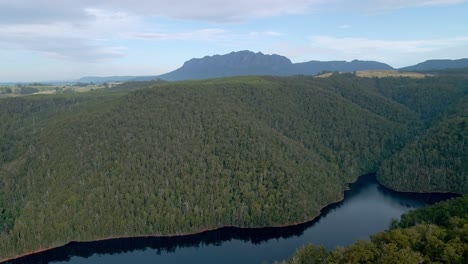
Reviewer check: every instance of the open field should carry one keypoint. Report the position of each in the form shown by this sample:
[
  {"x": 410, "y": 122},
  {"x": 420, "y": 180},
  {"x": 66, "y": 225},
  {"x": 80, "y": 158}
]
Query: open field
[
  {"x": 325, "y": 75},
  {"x": 383, "y": 74},
  {"x": 26, "y": 89}
]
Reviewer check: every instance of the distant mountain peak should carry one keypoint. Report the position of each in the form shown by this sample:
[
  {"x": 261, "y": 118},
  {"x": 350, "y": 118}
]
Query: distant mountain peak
[
  {"x": 240, "y": 56},
  {"x": 247, "y": 62}
]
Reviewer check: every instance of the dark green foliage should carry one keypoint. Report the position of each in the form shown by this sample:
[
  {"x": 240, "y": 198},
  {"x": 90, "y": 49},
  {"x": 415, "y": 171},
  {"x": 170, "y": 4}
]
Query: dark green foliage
[
  {"x": 5, "y": 90},
  {"x": 187, "y": 156},
  {"x": 437, "y": 161},
  {"x": 28, "y": 90},
  {"x": 421, "y": 236},
  {"x": 438, "y": 214}
]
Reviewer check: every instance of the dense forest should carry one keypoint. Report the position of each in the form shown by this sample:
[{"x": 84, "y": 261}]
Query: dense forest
[
  {"x": 182, "y": 157},
  {"x": 437, "y": 161},
  {"x": 434, "y": 234}
]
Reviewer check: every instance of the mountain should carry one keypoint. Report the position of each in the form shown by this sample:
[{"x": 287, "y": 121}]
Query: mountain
[
  {"x": 243, "y": 63},
  {"x": 314, "y": 67},
  {"x": 232, "y": 64},
  {"x": 250, "y": 63},
  {"x": 430, "y": 65}
]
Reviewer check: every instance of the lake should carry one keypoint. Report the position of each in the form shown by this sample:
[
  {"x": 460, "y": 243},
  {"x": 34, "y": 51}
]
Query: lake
[{"x": 367, "y": 208}]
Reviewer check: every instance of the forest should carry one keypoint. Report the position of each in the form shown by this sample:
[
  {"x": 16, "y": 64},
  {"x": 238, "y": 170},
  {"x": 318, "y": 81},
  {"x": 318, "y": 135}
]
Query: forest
[
  {"x": 433, "y": 234},
  {"x": 161, "y": 158}
]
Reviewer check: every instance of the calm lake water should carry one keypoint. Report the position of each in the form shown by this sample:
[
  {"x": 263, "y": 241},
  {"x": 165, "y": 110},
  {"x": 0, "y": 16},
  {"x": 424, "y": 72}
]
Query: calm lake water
[{"x": 367, "y": 208}]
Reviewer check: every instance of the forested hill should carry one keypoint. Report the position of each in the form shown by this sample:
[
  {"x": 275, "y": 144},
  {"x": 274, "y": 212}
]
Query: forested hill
[
  {"x": 187, "y": 156},
  {"x": 437, "y": 161}
]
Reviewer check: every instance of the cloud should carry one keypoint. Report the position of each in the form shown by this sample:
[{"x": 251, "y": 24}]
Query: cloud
[
  {"x": 362, "y": 46},
  {"x": 75, "y": 49},
  {"x": 45, "y": 11},
  {"x": 90, "y": 28},
  {"x": 202, "y": 34},
  {"x": 40, "y": 11},
  {"x": 344, "y": 26},
  {"x": 83, "y": 41},
  {"x": 378, "y": 6},
  {"x": 87, "y": 30},
  {"x": 269, "y": 33}
]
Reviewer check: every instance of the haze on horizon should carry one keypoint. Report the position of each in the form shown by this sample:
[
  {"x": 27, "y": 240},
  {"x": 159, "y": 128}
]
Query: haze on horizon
[{"x": 56, "y": 40}]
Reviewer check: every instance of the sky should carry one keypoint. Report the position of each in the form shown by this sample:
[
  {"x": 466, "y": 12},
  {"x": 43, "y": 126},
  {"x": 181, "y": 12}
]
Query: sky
[{"x": 43, "y": 40}]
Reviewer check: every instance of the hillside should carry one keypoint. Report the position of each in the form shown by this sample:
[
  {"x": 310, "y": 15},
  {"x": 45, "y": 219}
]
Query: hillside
[
  {"x": 434, "y": 234},
  {"x": 188, "y": 156},
  {"x": 431, "y": 65},
  {"x": 437, "y": 161}
]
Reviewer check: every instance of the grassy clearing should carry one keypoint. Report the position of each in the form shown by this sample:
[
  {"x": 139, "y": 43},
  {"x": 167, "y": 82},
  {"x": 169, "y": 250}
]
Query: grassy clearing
[
  {"x": 325, "y": 75},
  {"x": 381, "y": 74},
  {"x": 25, "y": 89},
  {"x": 384, "y": 74}
]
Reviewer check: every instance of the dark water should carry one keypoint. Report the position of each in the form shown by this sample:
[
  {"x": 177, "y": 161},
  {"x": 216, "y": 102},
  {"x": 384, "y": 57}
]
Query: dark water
[{"x": 367, "y": 209}]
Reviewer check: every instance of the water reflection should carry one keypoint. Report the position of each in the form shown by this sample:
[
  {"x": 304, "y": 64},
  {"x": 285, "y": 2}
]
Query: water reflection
[{"x": 367, "y": 208}]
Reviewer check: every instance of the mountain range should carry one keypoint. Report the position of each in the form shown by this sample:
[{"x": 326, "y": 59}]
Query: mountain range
[
  {"x": 249, "y": 63},
  {"x": 430, "y": 65}
]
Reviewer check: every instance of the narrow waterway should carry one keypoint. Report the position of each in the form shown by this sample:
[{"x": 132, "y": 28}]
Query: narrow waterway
[{"x": 366, "y": 209}]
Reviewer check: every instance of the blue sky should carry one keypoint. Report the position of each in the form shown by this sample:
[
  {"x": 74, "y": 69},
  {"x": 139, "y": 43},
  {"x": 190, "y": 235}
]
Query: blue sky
[{"x": 61, "y": 40}]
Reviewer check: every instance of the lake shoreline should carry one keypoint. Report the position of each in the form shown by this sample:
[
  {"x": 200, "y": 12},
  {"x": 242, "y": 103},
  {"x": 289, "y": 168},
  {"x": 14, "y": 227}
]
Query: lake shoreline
[
  {"x": 415, "y": 192},
  {"x": 205, "y": 230},
  {"x": 186, "y": 233},
  {"x": 167, "y": 236}
]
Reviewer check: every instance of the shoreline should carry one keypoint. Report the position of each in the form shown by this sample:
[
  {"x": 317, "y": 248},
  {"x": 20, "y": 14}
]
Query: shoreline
[
  {"x": 414, "y": 192},
  {"x": 179, "y": 234},
  {"x": 204, "y": 230}
]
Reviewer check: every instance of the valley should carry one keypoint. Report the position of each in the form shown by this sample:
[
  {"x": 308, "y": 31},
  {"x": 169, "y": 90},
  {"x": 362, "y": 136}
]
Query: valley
[{"x": 249, "y": 151}]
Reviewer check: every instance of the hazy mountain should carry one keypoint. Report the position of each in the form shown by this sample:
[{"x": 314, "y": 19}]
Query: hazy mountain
[
  {"x": 250, "y": 63},
  {"x": 314, "y": 67},
  {"x": 437, "y": 65},
  {"x": 232, "y": 64},
  {"x": 246, "y": 63}
]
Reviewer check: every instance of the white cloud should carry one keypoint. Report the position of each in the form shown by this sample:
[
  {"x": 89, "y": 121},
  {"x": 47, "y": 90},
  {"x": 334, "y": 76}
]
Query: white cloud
[
  {"x": 208, "y": 10},
  {"x": 202, "y": 34},
  {"x": 44, "y": 11},
  {"x": 377, "y": 6},
  {"x": 72, "y": 40},
  {"x": 88, "y": 29},
  {"x": 345, "y": 26},
  {"x": 362, "y": 46},
  {"x": 269, "y": 33}
]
